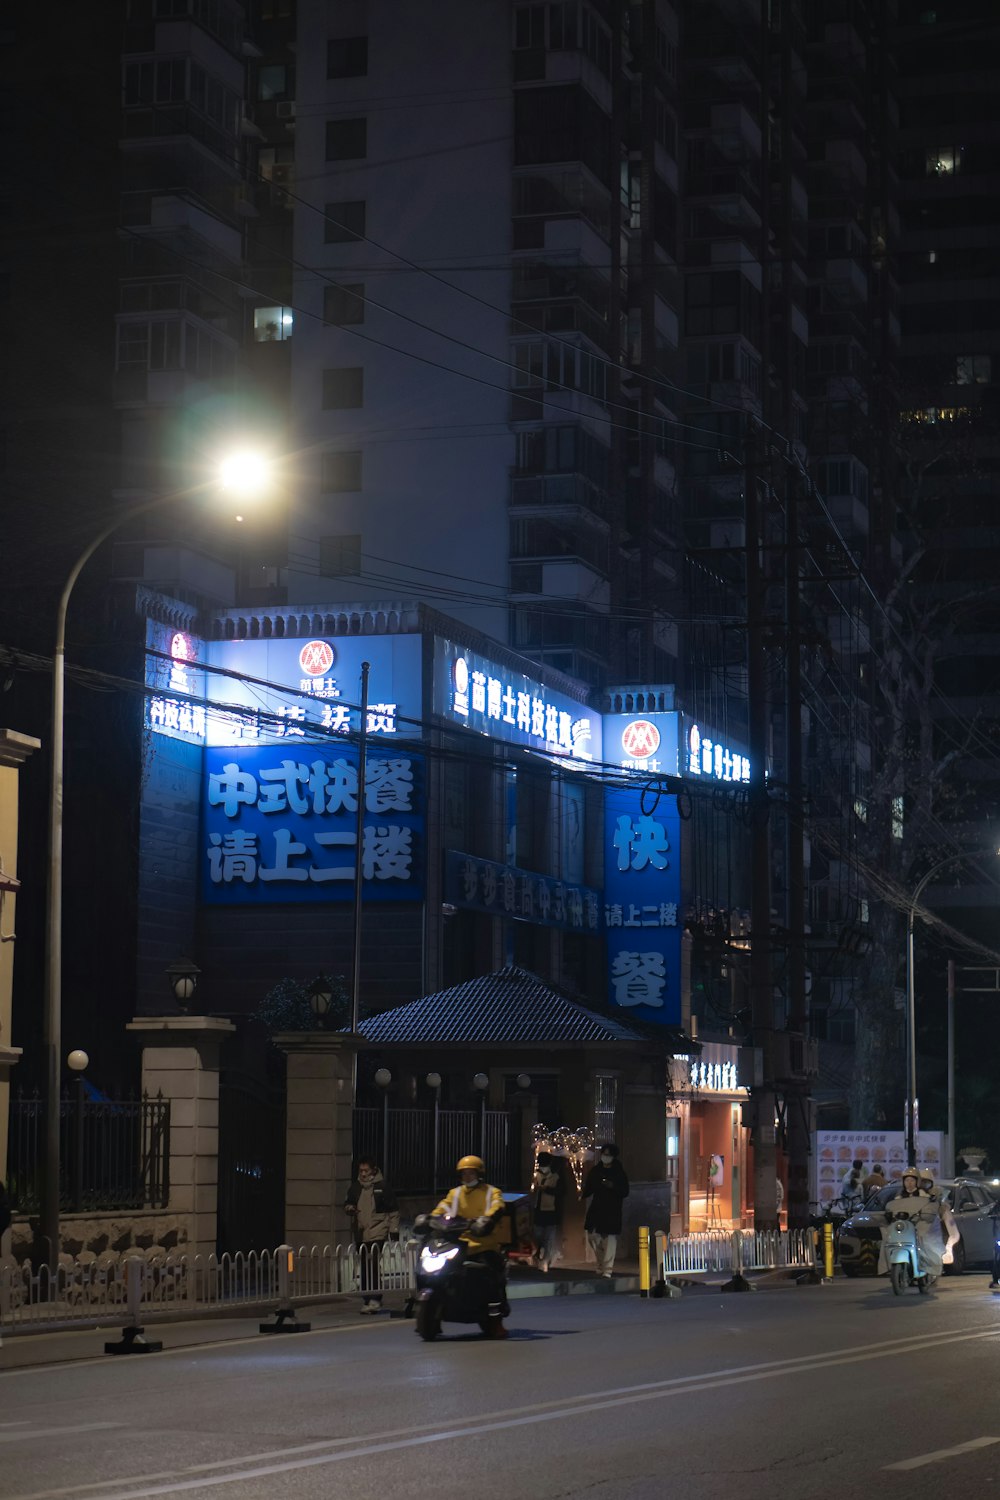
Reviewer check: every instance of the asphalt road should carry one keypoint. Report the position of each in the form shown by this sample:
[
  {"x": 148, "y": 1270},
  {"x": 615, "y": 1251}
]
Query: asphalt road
[{"x": 792, "y": 1391}]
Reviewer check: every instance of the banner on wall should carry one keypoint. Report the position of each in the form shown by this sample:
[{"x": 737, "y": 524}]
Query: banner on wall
[
  {"x": 835, "y": 1150},
  {"x": 642, "y": 894},
  {"x": 281, "y": 826},
  {"x": 503, "y": 890}
]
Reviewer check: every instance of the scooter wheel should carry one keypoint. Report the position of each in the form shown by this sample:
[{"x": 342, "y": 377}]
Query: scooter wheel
[
  {"x": 428, "y": 1321},
  {"x": 899, "y": 1275}
]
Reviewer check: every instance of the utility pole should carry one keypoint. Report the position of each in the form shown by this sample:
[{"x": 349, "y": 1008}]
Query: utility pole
[
  {"x": 797, "y": 1112},
  {"x": 765, "y": 1194}
]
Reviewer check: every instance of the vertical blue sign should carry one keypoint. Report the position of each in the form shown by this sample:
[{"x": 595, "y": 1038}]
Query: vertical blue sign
[{"x": 642, "y": 895}]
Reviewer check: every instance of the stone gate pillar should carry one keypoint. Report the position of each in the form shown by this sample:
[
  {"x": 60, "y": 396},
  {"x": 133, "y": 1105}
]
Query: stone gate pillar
[
  {"x": 180, "y": 1059},
  {"x": 319, "y": 1135}
]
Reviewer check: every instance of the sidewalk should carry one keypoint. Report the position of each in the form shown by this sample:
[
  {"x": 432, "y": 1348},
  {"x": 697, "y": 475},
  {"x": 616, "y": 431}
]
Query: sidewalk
[{"x": 26, "y": 1349}]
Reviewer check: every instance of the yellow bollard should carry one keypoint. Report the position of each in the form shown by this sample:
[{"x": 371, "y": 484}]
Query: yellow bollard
[
  {"x": 644, "y": 1260},
  {"x": 828, "y": 1251}
]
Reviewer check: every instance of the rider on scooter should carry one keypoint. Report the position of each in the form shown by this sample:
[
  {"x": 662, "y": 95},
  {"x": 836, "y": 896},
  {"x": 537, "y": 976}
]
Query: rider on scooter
[
  {"x": 917, "y": 1203},
  {"x": 477, "y": 1200}
]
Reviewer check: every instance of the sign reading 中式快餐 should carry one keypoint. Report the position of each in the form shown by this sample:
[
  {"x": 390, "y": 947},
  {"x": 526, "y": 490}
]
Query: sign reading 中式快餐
[
  {"x": 672, "y": 744},
  {"x": 282, "y": 826},
  {"x": 642, "y": 893},
  {"x": 259, "y": 692},
  {"x": 835, "y": 1151},
  {"x": 479, "y": 694}
]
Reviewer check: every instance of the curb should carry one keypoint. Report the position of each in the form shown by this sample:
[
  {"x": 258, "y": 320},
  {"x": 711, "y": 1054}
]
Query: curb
[{"x": 594, "y": 1287}]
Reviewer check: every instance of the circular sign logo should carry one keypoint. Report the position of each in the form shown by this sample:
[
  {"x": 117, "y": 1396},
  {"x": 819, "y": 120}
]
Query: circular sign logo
[
  {"x": 640, "y": 739},
  {"x": 461, "y": 675},
  {"x": 180, "y": 648},
  {"x": 316, "y": 657}
]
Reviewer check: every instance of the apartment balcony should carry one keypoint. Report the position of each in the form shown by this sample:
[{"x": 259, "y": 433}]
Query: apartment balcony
[
  {"x": 845, "y": 281},
  {"x": 558, "y": 492},
  {"x": 181, "y": 223},
  {"x": 164, "y": 122},
  {"x": 850, "y": 514}
]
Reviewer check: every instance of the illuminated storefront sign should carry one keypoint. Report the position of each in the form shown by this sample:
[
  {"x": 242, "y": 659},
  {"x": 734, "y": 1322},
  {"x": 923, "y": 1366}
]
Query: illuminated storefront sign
[
  {"x": 264, "y": 692},
  {"x": 479, "y": 694},
  {"x": 715, "y": 1070},
  {"x": 642, "y": 892},
  {"x": 672, "y": 744},
  {"x": 282, "y": 827},
  {"x": 504, "y": 890}
]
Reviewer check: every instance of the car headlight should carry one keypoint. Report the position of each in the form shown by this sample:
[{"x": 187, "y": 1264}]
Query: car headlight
[{"x": 433, "y": 1260}]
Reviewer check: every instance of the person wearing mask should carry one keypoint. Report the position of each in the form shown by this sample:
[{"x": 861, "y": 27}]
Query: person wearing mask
[
  {"x": 477, "y": 1200},
  {"x": 604, "y": 1192},
  {"x": 375, "y": 1216},
  {"x": 547, "y": 1207}
]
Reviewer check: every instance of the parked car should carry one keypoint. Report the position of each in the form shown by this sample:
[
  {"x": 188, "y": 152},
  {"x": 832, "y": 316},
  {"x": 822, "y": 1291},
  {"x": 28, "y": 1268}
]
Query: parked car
[{"x": 972, "y": 1202}]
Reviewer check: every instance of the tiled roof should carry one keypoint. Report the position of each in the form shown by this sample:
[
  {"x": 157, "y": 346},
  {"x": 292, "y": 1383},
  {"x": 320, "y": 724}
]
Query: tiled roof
[{"x": 511, "y": 1005}]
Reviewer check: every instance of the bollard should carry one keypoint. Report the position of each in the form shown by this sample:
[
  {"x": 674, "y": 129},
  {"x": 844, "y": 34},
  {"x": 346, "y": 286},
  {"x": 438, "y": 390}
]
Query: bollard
[
  {"x": 644, "y": 1260},
  {"x": 662, "y": 1287},
  {"x": 285, "y": 1320},
  {"x": 827, "y": 1250},
  {"x": 132, "y": 1340}
]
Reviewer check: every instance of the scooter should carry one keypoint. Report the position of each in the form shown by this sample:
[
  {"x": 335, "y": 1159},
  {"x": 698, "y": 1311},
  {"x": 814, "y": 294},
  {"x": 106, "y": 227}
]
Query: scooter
[
  {"x": 451, "y": 1286},
  {"x": 902, "y": 1254}
]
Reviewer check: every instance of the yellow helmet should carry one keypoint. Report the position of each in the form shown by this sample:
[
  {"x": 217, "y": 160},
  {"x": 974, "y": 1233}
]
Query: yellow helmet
[{"x": 471, "y": 1164}]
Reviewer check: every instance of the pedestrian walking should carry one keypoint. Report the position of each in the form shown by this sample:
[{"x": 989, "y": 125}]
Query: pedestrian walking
[
  {"x": 375, "y": 1215},
  {"x": 604, "y": 1192},
  {"x": 547, "y": 1192}
]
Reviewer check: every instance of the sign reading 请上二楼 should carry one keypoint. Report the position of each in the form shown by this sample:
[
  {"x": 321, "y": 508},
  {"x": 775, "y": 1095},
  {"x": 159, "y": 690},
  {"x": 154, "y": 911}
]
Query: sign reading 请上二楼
[
  {"x": 505, "y": 891},
  {"x": 480, "y": 694},
  {"x": 258, "y": 692},
  {"x": 282, "y": 826},
  {"x": 642, "y": 893}
]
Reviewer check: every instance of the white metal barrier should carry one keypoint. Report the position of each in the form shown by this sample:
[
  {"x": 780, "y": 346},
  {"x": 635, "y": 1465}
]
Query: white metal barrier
[
  {"x": 736, "y": 1252},
  {"x": 87, "y": 1290}
]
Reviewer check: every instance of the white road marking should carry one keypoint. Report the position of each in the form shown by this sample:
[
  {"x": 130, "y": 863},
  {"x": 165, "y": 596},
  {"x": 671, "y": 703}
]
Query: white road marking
[
  {"x": 41, "y": 1432},
  {"x": 583, "y": 1405},
  {"x": 940, "y": 1454}
]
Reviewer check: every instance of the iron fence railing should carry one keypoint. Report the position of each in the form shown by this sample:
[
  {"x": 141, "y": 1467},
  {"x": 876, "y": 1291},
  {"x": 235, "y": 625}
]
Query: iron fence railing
[
  {"x": 114, "y": 1153},
  {"x": 417, "y": 1148},
  {"x": 93, "y": 1290}
]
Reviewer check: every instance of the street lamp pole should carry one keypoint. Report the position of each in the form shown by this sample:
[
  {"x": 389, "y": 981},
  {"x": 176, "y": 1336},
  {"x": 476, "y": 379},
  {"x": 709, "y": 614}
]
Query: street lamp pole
[
  {"x": 52, "y": 1029},
  {"x": 360, "y": 841},
  {"x": 911, "y": 1009}
]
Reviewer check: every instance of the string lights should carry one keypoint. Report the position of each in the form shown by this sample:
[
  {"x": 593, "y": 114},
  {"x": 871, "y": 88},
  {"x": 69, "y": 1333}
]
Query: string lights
[{"x": 576, "y": 1145}]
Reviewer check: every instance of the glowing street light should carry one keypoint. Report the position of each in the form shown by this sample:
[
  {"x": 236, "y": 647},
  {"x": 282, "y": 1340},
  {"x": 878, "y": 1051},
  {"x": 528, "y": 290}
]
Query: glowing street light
[{"x": 241, "y": 472}]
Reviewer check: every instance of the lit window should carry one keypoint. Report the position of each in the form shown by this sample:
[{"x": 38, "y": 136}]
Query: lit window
[
  {"x": 271, "y": 325},
  {"x": 943, "y": 161},
  {"x": 973, "y": 369},
  {"x": 897, "y": 817}
]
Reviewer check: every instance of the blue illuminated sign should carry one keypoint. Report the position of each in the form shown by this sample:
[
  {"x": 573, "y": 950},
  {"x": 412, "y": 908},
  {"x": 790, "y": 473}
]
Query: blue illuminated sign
[
  {"x": 279, "y": 824},
  {"x": 479, "y": 694},
  {"x": 506, "y": 891},
  {"x": 642, "y": 894}
]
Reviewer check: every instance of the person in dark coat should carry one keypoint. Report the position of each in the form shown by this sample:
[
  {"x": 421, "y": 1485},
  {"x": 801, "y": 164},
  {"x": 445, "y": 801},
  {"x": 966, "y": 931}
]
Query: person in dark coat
[
  {"x": 604, "y": 1192},
  {"x": 547, "y": 1191}
]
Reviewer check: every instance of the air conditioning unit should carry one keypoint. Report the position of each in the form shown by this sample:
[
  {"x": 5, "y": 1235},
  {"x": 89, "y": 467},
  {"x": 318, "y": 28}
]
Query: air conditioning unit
[
  {"x": 286, "y": 109},
  {"x": 793, "y": 1056}
]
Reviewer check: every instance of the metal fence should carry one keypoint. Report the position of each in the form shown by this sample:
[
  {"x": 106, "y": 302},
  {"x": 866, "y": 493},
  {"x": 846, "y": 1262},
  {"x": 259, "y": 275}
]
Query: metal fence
[
  {"x": 92, "y": 1289},
  {"x": 741, "y": 1250},
  {"x": 114, "y": 1153},
  {"x": 417, "y": 1148}
]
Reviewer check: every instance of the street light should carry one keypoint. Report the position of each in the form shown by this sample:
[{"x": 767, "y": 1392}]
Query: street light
[
  {"x": 183, "y": 977},
  {"x": 481, "y": 1082},
  {"x": 320, "y": 995},
  {"x": 238, "y": 471},
  {"x": 77, "y": 1061},
  {"x": 911, "y": 1009}
]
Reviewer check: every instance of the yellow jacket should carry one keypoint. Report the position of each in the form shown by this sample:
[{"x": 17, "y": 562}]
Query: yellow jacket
[{"x": 476, "y": 1203}]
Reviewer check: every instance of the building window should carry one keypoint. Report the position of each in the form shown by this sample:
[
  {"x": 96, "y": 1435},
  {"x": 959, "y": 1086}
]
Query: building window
[
  {"x": 343, "y": 388},
  {"x": 344, "y": 304},
  {"x": 340, "y": 472},
  {"x": 271, "y": 325},
  {"x": 347, "y": 57},
  {"x": 339, "y": 555},
  {"x": 605, "y": 1106},
  {"x": 155, "y": 345},
  {"x": 347, "y": 140},
  {"x": 345, "y": 222},
  {"x": 274, "y": 81},
  {"x": 973, "y": 369},
  {"x": 898, "y": 817},
  {"x": 943, "y": 161}
]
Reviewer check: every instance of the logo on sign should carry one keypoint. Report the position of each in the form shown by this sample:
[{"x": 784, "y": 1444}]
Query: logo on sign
[
  {"x": 640, "y": 739},
  {"x": 316, "y": 658},
  {"x": 181, "y": 648}
]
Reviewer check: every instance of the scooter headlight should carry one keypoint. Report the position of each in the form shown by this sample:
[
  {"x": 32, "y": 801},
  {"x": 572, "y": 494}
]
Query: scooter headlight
[{"x": 433, "y": 1260}]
